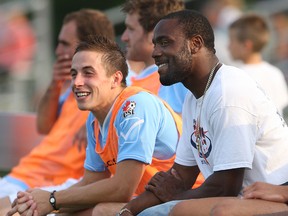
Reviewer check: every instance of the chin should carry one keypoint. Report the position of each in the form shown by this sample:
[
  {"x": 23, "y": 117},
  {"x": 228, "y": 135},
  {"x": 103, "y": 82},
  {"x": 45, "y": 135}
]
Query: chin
[
  {"x": 166, "y": 82},
  {"x": 81, "y": 107}
]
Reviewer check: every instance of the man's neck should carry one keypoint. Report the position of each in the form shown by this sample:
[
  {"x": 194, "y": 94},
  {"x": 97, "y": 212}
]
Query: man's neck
[{"x": 102, "y": 111}]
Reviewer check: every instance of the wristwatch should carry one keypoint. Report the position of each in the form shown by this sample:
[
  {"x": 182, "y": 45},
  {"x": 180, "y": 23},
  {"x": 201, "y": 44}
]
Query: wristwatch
[{"x": 52, "y": 201}]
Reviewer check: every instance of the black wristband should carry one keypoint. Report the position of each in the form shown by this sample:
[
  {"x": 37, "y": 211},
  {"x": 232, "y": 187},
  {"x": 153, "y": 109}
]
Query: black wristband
[{"x": 52, "y": 201}]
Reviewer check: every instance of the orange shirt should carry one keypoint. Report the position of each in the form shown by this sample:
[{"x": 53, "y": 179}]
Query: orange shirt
[{"x": 55, "y": 159}]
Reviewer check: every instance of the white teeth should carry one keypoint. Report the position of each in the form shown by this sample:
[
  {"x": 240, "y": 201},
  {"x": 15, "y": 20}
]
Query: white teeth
[
  {"x": 82, "y": 94},
  {"x": 161, "y": 65}
]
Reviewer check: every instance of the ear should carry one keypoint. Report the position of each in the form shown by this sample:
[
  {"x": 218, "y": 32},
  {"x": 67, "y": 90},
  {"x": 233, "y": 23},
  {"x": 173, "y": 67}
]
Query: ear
[
  {"x": 249, "y": 44},
  {"x": 117, "y": 78},
  {"x": 195, "y": 43}
]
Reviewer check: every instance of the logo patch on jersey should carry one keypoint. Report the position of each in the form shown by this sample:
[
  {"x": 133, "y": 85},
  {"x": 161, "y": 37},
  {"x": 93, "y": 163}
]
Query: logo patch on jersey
[{"x": 128, "y": 108}]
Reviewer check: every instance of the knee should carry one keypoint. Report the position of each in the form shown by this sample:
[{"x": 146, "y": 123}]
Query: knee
[
  {"x": 100, "y": 209},
  {"x": 177, "y": 210},
  {"x": 220, "y": 209}
]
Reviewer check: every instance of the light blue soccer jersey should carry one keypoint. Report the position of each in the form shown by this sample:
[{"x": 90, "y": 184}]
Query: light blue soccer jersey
[
  {"x": 174, "y": 94},
  {"x": 145, "y": 129}
]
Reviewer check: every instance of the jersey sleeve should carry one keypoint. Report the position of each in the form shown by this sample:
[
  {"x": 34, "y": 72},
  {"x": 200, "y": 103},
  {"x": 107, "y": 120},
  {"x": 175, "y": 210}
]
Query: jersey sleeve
[{"x": 137, "y": 125}]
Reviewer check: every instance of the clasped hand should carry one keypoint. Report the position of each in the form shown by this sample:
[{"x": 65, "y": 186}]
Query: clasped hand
[
  {"x": 166, "y": 185},
  {"x": 31, "y": 203}
]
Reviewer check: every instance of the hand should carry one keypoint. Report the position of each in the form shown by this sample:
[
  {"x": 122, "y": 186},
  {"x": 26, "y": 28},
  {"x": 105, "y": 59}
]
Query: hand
[
  {"x": 165, "y": 185},
  {"x": 61, "y": 69},
  {"x": 80, "y": 138},
  {"x": 24, "y": 205},
  {"x": 265, "y": 191}
]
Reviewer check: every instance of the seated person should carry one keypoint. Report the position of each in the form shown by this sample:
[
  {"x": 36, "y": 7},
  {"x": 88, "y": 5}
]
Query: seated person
[
  {"x": 55, "y": 159},
  {"x": 132, "y": 134}
]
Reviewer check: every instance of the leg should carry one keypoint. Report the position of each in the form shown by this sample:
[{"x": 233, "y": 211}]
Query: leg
[
  {"x": 247, "y": 207},
  {"x": 159, "y": 210},
  {"x": 86, "y": 212},
  {"x": 195, "y": 207},
  {"x": 107, "y": 209},
  {"x": 5, "y": 206}
]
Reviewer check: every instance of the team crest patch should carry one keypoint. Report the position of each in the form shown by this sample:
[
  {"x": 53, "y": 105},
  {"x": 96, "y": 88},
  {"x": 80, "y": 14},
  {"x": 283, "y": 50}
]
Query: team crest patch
[{"x": 128, "y": 108}]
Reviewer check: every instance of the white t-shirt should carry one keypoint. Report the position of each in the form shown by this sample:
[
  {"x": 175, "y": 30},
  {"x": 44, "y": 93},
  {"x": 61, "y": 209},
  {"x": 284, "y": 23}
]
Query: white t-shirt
[
  {"x": 272, "y": 80},
  {"x": 241, "y": 129}
]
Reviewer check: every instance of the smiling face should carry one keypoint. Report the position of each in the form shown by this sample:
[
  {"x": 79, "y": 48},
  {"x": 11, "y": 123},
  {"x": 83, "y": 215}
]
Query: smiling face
[
  {"x": 90, "y": 83},
  {"x": 171, "y": 52}
]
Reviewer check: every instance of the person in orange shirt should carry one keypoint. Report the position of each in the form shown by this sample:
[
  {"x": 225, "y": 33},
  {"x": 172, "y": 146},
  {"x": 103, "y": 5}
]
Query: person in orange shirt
[
  {"x": 56, "y": 159},
  {"x": 132, "y": 134}
]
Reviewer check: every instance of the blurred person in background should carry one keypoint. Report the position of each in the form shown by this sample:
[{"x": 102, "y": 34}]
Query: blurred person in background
[
  {"x": 279, "y": 53},
  {"x": 248, "y": 36},
  {"x": 220, "y": 14},
  {"x": 17, "y": 46},
  {"x": 59, "y": 158}
]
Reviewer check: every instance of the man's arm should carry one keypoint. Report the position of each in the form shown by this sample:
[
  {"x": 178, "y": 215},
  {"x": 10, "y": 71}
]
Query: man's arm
[
  {"x": 93, "y": 189},
  {"x": 47, "y": 112},
  {"x": 162, "y": 187},
  {"x": 181, "y": 177}
]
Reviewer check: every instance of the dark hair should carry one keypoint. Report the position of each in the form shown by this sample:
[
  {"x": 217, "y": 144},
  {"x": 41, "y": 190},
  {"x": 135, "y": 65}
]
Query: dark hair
[
  {"x": 252, "y": 27},
  {"x": 91, "y": 22},
  {"x": 113, "y": 58},
  {"x": 194, "y": 23},
  {"x": 151, "y": 11}
]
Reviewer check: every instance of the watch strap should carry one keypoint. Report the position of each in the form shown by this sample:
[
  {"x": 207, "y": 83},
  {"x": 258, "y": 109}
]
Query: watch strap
[{"x": 52, "y": 200}]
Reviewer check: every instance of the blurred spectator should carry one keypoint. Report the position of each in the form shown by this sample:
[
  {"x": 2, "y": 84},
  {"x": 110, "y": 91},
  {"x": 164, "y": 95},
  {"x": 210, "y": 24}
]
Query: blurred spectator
[
  {"x": 279, "y": 54},
  {"x": 17, "y": 43},
  {"x": 248, "y": 36},
  {"x": 220, "y": 14}
]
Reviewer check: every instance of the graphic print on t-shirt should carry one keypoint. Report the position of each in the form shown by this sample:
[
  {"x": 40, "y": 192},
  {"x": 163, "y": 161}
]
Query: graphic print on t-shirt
[{"x": 201, "y": 142}]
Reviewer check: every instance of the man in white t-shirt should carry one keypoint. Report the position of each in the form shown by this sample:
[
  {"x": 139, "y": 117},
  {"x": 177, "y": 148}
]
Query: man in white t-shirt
[{"x": 232, "y": 132}]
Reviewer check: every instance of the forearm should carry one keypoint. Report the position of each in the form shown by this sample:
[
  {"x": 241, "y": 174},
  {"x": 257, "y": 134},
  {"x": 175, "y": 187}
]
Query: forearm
[
  {"x": 48, "y": 108},
  {"x": 221, "y": 183},
  {"x": 88, "y": 196}
]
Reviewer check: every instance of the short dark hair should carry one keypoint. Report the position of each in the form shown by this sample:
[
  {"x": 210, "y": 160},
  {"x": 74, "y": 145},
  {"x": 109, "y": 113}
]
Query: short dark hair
[
  {"x": 113, "y": 58},
  {"x": 194, "y": 23},
  {"x": 90, "y": 22},
  {"x": 151, "y": 11},
  {"x": 252, "y": 27}
]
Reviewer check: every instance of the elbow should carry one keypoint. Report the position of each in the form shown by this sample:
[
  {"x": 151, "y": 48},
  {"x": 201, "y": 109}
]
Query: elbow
[
  {"x": 43, "y": 130},
  {"x": 124, "y": 194}
]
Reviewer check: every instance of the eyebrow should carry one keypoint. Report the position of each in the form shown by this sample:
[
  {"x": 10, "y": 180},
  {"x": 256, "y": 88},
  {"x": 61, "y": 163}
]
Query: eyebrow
[{"x": 155, "y": 40}]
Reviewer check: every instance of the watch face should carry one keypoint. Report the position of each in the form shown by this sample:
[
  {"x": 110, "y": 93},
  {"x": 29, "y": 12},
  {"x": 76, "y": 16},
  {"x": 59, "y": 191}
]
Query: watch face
[{"x": 52, "y": 200}]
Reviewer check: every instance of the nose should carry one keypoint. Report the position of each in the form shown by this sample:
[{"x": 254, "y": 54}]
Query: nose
[
  {"x": 156, "y": 52},
  {"x": 124, "y": 36},
  {"x": 59, "y": 50},
  {"x": 77, "y": 80}
]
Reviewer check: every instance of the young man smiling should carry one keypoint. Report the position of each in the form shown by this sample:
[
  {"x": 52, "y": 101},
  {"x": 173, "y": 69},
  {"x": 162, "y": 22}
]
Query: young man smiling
[{"x": 132, "y": 134}]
